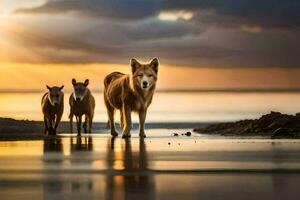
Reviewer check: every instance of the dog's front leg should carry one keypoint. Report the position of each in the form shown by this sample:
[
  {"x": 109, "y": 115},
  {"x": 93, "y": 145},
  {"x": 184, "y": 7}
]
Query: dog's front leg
[
  {"x": 46, "y": 130},
  {"x": 127, "y": 116},
  {"x": 57, "y": 121},
  {"x": 78, "y": 120},
  {"x": 142, "y": 117}
]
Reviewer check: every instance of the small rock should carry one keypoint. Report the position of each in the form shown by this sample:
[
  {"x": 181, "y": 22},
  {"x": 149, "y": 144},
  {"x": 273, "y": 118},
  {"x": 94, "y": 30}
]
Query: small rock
[
  {"x": 188, "y": 133},
  {"x": 175, "y": 134},
  {"x": 169, "y": 143}
]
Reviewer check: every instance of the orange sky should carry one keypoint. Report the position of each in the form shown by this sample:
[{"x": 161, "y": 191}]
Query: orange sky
[{"x": 36, "y": 76}]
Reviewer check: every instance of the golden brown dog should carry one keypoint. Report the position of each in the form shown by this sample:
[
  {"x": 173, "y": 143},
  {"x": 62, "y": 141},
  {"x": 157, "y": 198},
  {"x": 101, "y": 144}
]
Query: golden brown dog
[
  {"x": 81, "y": 103},
  {"x": 129, "y": 93},
  {"x": 53, "y": 108}
]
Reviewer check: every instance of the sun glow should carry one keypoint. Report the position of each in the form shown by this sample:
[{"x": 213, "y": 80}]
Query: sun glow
[
  {"x": 9, "y": 6},
  {"x": 175, "y": 15}
]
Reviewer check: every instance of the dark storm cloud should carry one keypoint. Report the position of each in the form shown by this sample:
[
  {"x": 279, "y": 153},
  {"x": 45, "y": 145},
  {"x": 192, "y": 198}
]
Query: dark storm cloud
[
  {"x": 121, "y": 9},
  {"x": 225, "y": 33},
  {"x": 271, "y": 12}
]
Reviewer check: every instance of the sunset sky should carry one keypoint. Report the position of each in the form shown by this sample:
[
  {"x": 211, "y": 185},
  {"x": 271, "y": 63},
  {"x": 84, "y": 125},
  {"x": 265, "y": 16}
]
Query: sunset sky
[{"x": 201, "y": 44}]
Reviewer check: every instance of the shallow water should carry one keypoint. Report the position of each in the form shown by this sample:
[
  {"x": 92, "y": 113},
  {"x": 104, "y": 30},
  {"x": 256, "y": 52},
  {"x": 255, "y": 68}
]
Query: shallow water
[
  {"x": 158, "y": 167},
  {"x": 171, "y": 107}
]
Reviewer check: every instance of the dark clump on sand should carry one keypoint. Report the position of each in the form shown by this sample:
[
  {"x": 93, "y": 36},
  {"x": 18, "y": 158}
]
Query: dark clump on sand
[
  {"x": 186, "y": 134},
  {"x": 274, "y": 124}
]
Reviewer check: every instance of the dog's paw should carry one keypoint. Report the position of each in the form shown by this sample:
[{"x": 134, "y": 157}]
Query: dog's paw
[
  {"x": 142, "y": 135},
  {"x": 126, "y": 135},
  {"x": 114, "y": 134}
]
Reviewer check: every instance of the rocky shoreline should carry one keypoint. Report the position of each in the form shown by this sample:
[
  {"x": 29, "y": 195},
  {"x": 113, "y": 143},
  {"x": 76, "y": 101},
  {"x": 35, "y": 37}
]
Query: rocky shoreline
[{"x": 275, "y": 124}]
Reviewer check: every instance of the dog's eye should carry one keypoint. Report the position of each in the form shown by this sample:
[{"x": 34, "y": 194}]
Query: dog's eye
[
  {"x": 150, "y": 75},
  {"x": 140, "y": 75}
]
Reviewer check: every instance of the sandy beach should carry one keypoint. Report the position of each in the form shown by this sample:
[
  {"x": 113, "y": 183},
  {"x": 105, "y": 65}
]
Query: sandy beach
[{"x": 158, "y": 167}]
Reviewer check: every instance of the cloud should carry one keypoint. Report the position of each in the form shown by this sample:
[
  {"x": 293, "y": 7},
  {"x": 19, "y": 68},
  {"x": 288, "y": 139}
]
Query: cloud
[
  {"x": 120, "y": 9},
  {"x": 185, "y": 33},
  {"x": 267, "y": 13},
  {"x": 176, "y": 15}
]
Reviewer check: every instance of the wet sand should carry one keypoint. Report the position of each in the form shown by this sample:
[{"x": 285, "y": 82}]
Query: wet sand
[{"x": 159, "y": 167}]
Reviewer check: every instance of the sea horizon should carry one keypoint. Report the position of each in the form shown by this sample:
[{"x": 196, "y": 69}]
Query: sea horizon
[
  {"x": 171, "y": 106},
  {"x": 185, "y": 90}
]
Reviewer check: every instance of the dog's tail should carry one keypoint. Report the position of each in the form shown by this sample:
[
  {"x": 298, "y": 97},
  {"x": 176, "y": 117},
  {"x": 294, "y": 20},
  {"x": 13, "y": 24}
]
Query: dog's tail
[{"x": 110, "y": 77}]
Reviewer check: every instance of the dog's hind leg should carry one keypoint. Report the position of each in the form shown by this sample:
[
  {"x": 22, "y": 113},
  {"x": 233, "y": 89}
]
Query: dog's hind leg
[
  {"x": 122, "y": 121},
  {"x": 111, "y": 113},
  {"x": 90, "y": 123}
]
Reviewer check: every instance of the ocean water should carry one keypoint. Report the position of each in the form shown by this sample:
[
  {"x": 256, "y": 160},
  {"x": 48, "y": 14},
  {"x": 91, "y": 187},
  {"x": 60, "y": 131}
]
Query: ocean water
[{"x": 170, "y": 106}]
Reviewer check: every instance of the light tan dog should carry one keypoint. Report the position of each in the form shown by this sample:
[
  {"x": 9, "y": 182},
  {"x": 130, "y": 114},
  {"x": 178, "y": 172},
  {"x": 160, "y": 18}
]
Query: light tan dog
[
  {"x": 81, "y": 103},
  {"x": 129, "y": 93},
  {"x": 53, "y": 108}
]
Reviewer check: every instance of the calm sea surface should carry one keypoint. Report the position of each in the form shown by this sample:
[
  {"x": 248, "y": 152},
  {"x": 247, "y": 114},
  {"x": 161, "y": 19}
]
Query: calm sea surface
[{"x": 170, "y": 107}]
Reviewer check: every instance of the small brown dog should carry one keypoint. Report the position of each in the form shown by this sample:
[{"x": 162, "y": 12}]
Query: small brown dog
[
  {"x": 53, "y": 108},
  {"x": 81, "y": 103},
  {"x": 129, "y": 93}
]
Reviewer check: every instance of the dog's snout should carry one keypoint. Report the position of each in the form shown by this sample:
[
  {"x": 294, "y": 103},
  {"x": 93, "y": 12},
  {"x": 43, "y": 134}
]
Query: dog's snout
[
  {"x": 55, "y": 103},
  {"x": 145, "y": 83},
  {"x": 77, "y": 99}
]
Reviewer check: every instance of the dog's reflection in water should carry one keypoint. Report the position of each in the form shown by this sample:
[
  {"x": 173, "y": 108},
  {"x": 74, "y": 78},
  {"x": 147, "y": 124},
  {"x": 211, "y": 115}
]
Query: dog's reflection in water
[
  {"x": 81, "y": 144},
  {"x": 60, "y": 185},
  {"x": 134, "y": 181},
  {"x": 127, "y": 175}
]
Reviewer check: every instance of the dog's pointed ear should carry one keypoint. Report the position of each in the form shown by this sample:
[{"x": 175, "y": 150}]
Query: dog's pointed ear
[
  {"x": 154, "y": 64},
  {"x": 61, "y": 87},
  {"x": 73, "y": 81},
  {"x": 134, "y": 65},
  {"x": 86, "y": 82},
  {"x": 48, "y": 87}
]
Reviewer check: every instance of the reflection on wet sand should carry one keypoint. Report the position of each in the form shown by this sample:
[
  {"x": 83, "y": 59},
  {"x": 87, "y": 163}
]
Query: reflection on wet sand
[
  {"x": 59, "y": 185},
  {"x": 100, "y": 168},
  {"x": 128, "y": 186},
  {"x": 134, "y": 183},
  {"x": 81, "y": 144}
]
